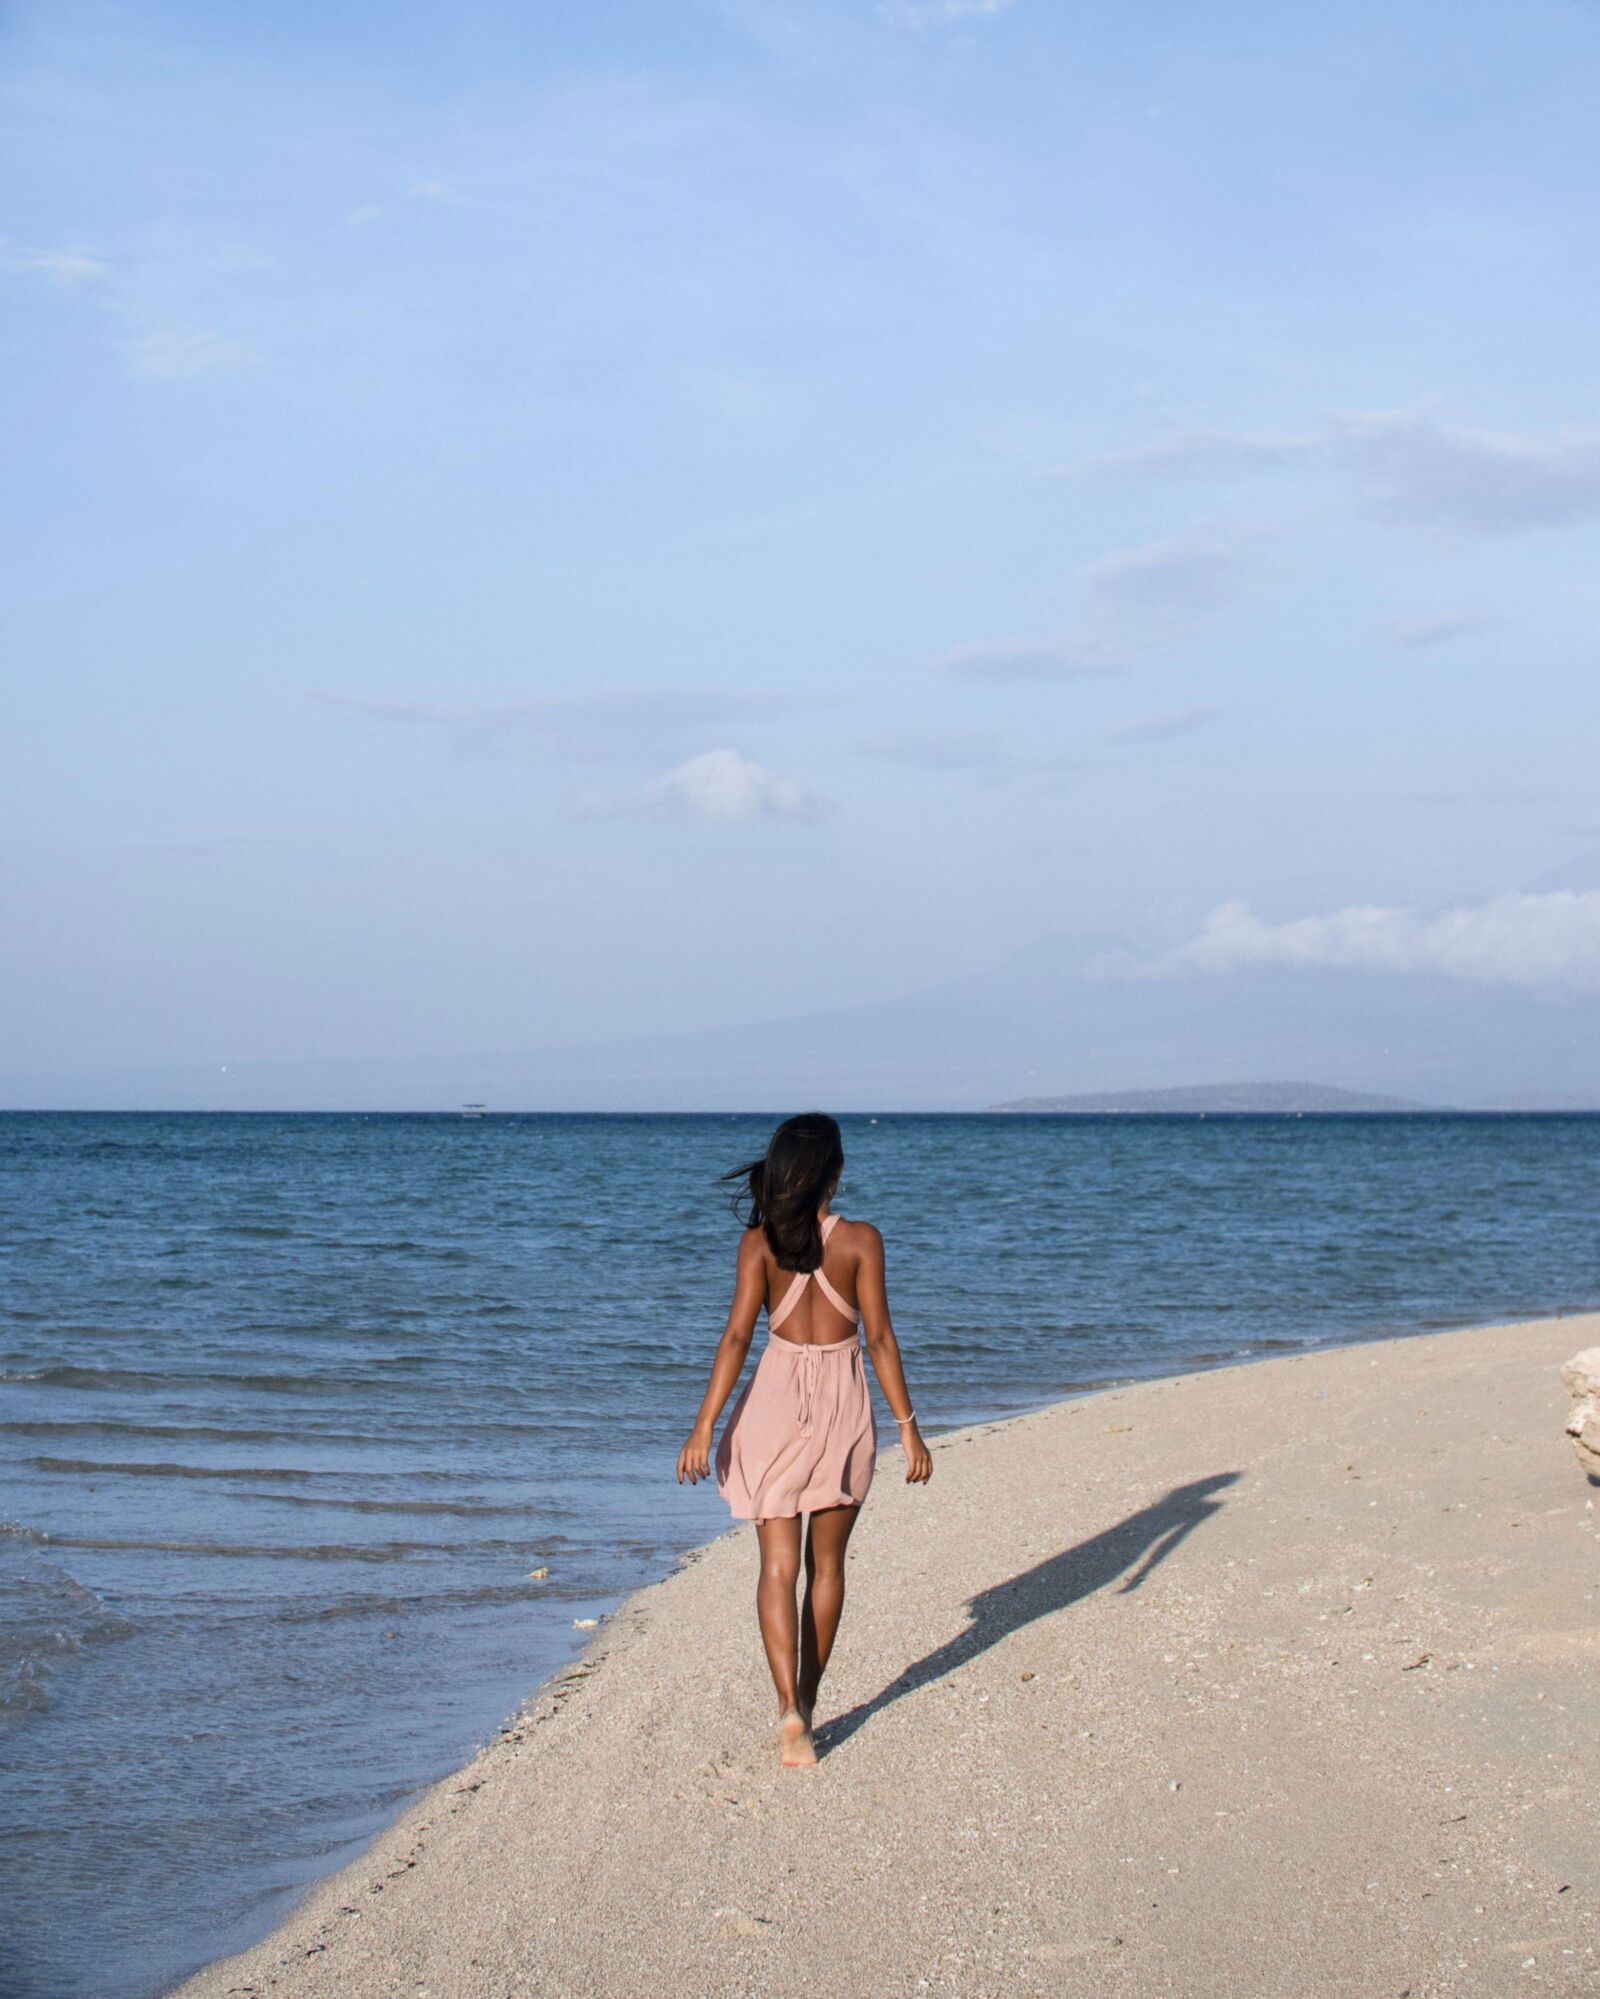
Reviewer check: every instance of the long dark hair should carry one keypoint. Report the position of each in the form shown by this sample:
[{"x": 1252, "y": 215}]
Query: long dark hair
[{"x": 781, "y": 1193}]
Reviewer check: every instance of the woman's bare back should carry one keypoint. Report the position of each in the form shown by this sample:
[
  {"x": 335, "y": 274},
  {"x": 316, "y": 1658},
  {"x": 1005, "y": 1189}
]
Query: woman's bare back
[{"x": 814, "y": 1319}]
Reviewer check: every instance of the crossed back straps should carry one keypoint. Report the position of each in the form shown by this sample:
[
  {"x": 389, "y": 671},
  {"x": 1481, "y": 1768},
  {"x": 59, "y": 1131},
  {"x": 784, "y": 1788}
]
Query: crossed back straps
[{"x": 802, "y": 1278}]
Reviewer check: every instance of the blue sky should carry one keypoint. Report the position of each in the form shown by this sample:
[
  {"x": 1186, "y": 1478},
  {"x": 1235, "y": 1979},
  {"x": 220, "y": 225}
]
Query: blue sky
[{"x": 539, "y": 523}]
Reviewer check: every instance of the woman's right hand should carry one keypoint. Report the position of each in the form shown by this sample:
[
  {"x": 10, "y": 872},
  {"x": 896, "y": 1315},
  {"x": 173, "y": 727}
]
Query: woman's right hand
[
  {"x": 694, "y": 1460},
  {"x": 919, "y": 1463}
]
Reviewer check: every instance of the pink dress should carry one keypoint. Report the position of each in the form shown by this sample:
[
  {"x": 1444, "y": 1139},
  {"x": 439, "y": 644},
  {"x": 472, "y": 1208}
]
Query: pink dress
[{"x": 802, "y": 1436}]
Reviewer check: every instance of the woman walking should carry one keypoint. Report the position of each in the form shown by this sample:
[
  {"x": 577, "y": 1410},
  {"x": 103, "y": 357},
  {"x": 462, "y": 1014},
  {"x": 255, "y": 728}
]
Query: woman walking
[{"x": 802, "y": 1438}]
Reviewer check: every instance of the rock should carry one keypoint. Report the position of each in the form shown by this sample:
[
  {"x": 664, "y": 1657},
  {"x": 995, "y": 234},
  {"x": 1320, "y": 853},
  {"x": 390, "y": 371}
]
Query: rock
[{"x": 1582, "y": 1377}]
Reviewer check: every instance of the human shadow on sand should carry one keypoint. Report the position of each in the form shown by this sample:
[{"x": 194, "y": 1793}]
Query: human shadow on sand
[{"x": 1151, "y": 1534}]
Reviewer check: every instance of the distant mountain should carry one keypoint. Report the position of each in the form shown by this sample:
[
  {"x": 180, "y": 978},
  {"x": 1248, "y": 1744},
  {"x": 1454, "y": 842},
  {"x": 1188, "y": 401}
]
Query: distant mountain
[
  {"x": 1282, "y": 1098},
  {"x": 1047, "y": 1018}
]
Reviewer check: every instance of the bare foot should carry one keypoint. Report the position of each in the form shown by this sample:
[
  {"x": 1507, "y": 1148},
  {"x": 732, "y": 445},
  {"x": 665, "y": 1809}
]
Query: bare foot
[{"x": 794, "y": 1734}]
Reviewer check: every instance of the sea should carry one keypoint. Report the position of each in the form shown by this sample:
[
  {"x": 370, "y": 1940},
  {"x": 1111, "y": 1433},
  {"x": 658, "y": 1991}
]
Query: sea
[{"x": 296, "y": 1411}]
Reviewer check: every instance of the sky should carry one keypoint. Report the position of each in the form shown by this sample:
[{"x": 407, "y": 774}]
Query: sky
[{"x": 542, "y": 526}]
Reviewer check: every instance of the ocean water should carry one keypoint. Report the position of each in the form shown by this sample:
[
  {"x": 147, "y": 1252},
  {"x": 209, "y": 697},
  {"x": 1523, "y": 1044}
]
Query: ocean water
[{"x": 291, "y": 1406}]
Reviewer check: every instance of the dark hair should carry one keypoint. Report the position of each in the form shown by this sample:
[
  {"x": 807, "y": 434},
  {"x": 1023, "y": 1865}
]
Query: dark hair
[{"x": 782, "y": 1192}]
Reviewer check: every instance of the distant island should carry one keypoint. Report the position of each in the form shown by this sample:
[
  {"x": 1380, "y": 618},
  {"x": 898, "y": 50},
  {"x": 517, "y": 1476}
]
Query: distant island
[{"x": 1198, "y": 1099}]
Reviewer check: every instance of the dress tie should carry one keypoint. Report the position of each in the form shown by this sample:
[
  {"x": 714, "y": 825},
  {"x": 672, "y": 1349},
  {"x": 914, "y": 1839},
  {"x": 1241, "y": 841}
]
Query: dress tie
[{"x": 808, "y": 1382}]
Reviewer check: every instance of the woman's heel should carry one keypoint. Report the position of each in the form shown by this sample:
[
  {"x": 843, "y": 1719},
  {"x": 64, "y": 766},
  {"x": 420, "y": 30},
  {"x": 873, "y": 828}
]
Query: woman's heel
[{"x": 798, "y": 1751}]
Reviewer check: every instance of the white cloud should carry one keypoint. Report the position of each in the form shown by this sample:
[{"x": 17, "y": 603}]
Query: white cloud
[
  {"x": 1402, "y": 463},
  {"x": 1550, "y": 940},
  {"x": 181, "y": 354},
  {"x": 359, "y": 217},
  {"x": 722, "y": 784}
]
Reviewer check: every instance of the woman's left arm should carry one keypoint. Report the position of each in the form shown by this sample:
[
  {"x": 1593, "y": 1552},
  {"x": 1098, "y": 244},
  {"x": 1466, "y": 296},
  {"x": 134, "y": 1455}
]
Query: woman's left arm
[{"x": 749, "y": 1294}]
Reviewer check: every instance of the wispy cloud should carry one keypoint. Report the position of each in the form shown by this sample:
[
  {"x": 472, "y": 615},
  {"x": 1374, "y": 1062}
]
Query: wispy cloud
[
  {"x": 1167, "y": 584},
  {"x": 723, "y": 784},
  {"x": 1131, "y": 602},
  {"x": 70, "y": 267},
  {"x": 938, "y": 749},
  {"x": 1526, "y": 940},
  {"x": 156, "y": 354},
  {"x": 1202, "y": 454},
  {"x": 973, "y": 753},
  {"x": 1441, "y": 631},
  {"x": 1005, "y": 662},
  {"x": 1162, "y": 728},
  {"x": 622, "y": 721},
  {"x": 182, "y": 354},
  {"x": 931, "y": 13},
  {"x": 1401, "y": 463}
]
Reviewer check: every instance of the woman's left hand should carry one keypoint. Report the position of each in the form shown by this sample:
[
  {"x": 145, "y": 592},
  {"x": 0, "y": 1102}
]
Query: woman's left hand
[
  {"x": 919, "y": 1464},
  {"x": 694, "y": 1460}
]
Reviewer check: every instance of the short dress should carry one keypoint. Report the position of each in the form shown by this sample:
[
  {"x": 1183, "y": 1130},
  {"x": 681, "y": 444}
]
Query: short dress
[{"x": 803, "y": 1435}]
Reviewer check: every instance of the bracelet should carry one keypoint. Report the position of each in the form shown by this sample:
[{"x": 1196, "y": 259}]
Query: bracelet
[{"x": 903, "y": 1420}]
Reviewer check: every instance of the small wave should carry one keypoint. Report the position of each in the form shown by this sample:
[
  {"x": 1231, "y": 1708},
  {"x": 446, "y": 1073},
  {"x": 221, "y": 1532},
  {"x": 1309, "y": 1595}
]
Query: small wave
[
  {"x": 460, "y": 1509},
  {"x": 273, "y": 1551},
  {"x": 209, "y": 1433},
  {"x": 465, "y": 1509},
  {"x": 47, "y": 1617},
  {"x": 420, "y": 1603},
  {"x": 154, "y": 1380},
  {"x": 135, "y": 1470}
]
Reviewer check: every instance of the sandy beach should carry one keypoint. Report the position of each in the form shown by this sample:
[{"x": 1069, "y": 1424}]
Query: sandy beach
[{"x": 1275, "y": 1680}]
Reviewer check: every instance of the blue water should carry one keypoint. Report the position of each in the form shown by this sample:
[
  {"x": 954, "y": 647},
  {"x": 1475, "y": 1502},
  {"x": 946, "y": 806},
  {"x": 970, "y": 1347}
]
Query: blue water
[{"x": 290, "y": 1406}]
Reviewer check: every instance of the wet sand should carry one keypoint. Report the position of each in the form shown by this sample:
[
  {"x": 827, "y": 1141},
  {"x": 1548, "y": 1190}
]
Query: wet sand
[{"x": 1277, "y": 1680}]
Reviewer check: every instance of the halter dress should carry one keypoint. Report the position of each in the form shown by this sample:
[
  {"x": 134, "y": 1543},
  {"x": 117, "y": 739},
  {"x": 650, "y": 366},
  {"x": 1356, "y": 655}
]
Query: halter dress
[{"x": 802, "y": 1436}]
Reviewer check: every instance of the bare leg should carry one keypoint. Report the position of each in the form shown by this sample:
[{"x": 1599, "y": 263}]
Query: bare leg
[
  {"x": 819, "y": 1616},
  {"x": 780, "y": 1631}
]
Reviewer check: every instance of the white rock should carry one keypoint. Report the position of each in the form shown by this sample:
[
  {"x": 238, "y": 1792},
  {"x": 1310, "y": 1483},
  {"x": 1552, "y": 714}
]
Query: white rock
[{"x": 1582, "y": 1377}]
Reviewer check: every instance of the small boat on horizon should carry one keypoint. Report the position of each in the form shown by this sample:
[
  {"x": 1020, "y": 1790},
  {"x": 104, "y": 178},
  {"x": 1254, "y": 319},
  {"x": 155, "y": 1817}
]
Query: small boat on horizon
[{"x": 474, "y": 1110}]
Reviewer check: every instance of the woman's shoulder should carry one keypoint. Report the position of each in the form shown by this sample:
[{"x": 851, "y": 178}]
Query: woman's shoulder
[{"x": 858, "y": 1234}]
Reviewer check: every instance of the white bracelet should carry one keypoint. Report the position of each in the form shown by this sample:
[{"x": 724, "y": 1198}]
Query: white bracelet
[{"x": 903, "y": 1420}]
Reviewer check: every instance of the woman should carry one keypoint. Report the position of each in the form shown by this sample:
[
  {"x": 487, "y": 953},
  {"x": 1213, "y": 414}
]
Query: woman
[{"x": 802, "y": 1437}]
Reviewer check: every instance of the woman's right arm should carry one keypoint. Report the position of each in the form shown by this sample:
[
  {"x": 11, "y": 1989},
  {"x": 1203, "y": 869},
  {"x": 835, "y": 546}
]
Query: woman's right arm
[
  {"x": 872, "y": 1291},
  {"x": 749, "y": 1294}
]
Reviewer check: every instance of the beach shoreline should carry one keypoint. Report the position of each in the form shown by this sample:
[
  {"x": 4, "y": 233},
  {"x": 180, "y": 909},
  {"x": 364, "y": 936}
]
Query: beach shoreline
[{"x": 1104, "y": 1716}]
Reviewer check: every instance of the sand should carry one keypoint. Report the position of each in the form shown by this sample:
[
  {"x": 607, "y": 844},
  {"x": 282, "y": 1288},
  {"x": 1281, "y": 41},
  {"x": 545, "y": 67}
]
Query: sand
[{"x": 1282, "y": 1679}]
